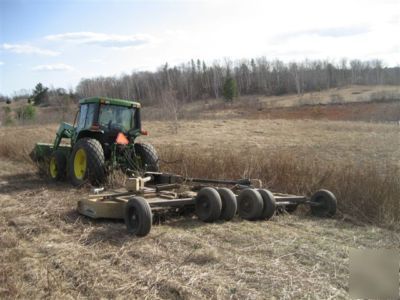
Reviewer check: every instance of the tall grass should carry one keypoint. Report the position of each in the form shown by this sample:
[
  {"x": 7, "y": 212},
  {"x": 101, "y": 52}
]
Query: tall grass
[{"x": 369, "y": 193}]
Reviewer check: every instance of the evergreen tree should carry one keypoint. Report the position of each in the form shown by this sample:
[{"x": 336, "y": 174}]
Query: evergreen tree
[
  {"x": 230, "y": 89},
  {"x": 39, "y": 95}
]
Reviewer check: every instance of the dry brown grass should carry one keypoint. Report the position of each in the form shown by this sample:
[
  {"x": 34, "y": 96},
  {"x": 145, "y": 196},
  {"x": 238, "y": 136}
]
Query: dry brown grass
[
  {"x": 359, "y": 162},
  {"x": 49, "y": 251},
  {"x": 368, "y": 193}
]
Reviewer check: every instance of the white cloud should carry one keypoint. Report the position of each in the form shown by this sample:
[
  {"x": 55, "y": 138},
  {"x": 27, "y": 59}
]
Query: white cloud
[
  {"x": 103, "y": 39},
  {"x": 1, "y": 63},
  {"x": 53, "y": 67},
  {"x": 28, "y": 49}
]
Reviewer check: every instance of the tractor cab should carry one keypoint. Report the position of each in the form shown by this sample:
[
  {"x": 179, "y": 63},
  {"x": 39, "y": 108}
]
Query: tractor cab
[{"x": 106, "y": 118}]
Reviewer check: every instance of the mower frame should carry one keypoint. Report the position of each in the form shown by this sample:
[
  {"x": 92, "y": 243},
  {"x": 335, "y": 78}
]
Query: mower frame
[{"x": 166, "y": 191}]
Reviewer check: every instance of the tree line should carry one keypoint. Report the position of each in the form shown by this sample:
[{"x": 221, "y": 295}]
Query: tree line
[{"x": 196, "y": 80}]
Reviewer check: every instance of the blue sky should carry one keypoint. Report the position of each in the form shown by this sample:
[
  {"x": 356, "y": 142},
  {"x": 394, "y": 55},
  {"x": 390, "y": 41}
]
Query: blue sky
[{"x": 60, "y": 42}]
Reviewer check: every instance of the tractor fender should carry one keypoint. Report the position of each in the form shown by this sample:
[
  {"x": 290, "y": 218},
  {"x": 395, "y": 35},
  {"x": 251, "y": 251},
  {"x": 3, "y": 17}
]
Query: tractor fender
[{"x": 88, "y": 133}]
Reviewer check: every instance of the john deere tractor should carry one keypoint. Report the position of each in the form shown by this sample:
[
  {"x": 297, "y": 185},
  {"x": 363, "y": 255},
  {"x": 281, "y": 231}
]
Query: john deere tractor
[{"x": 102, "y": 138}]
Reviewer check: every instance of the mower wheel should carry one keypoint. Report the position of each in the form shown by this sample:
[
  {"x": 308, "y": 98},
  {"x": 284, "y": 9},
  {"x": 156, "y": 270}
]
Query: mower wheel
[
  {"x": 250, "y": 204},
  {"x": 87, "y": 162},
  {"x": 229, "y": 204},
  {"x": 269, "y": 204},
  {"x": 148, "y": 156},
  {"x": 57, "y": 165},
  {"x": 208, "y": 204},
  {"x": 138, "y": 217},
  {"x": 323, "y": 204}
]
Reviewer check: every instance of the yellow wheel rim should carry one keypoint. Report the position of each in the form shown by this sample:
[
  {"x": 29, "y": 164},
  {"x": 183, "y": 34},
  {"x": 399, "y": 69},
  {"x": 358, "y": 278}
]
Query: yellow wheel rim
[
  {"x": 53, "y": 168},
  {"x": 80, "y": 164}
]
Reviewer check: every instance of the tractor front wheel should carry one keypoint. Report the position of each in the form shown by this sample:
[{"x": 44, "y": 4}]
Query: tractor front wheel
[
  {"x": 87, "y": 162},
  {"x": 57, "y": 165}
]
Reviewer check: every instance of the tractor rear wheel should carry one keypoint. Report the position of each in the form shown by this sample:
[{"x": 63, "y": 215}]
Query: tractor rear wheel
[
  {"x": 57, "y": 165},
  {"x": 148, "y": 157},
  {"x": 87, "y": 162}
]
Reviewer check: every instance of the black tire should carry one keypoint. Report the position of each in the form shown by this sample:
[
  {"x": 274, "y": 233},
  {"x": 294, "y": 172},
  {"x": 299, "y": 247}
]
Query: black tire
[
  {"x": 208, "y": 204},
  {"x": 326, "y": 204},
  {"x": 148, "y": 156},
  {"x": 95, "y": 170},
  {"x": 250, "y": 204},
  {"x": 60, "y": 162},
  {"x": 138, "y": 217},
  {"x": 269, "y": 204},
  {"x": 229, "y": 204}
]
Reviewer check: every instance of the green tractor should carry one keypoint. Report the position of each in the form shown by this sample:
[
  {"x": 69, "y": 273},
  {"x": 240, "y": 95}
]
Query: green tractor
[{"x": 103, "y": 138}]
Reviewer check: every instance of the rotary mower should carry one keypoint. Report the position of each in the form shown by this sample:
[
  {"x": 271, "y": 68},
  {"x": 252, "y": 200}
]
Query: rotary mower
[{"x": 210, "y": 199}]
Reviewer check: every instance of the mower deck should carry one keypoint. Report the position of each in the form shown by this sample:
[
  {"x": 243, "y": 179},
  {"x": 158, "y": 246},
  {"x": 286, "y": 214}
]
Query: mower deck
[{"x": 136, "y": 203}]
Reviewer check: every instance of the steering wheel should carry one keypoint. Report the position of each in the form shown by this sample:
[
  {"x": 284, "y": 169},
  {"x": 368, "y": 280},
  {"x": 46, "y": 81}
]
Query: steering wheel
[{"x": 116, "y": 126}]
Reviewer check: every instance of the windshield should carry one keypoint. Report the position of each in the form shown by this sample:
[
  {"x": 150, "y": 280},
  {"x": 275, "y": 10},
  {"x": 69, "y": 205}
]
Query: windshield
[{"x": 116, "y": 117}]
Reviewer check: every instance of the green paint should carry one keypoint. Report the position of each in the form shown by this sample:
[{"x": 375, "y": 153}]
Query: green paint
[{"x": 89, "y": 126}]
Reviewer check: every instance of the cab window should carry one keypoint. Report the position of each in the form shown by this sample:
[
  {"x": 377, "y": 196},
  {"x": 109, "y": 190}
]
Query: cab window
[
  {"x": 86, "y": 116},
  {"x": 82, "y": 117},
  {"x": 90, "y": 114},
  {"x": 116, "y": 117}
]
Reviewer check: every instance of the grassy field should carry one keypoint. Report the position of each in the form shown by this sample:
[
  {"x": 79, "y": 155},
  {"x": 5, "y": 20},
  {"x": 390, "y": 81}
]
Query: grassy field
[
  {"x": 353, "y": 103},
  {"x": 50, "y": 251}
]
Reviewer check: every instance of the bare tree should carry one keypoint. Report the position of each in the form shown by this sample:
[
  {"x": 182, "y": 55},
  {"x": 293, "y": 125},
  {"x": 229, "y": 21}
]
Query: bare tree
[
  {"x": 195, "y": 80},
  {"x": 171, "y": 107}
]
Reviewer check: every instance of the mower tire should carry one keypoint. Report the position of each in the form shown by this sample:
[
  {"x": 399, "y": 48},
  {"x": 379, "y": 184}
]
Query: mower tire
[
  {"x": 138, "y": 217},
  {"x": 269, "y": 204},
  {"x": 208, "y": 204},
  {"x": 250, "y": 204},
  {"x": 229, "y": 204},
  {"x": 87, "y": 162},
  {"x": 323, "y": 204}
]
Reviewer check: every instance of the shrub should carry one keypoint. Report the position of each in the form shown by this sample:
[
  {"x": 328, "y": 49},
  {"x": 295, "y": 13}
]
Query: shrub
[
  {"x": 24, "y": 113},
  {"x": 7, "y": 115}
]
